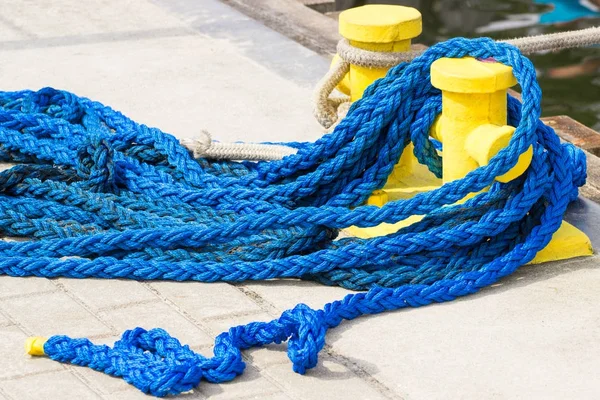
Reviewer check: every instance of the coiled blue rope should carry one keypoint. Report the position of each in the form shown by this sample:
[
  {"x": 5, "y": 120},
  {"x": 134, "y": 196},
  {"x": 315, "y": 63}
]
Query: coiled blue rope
[{"x": 102, "y": 196}]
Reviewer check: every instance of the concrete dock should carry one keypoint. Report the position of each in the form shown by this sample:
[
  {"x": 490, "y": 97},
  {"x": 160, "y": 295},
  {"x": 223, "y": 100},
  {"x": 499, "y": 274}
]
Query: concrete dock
[{"x": 189, "y": 65}]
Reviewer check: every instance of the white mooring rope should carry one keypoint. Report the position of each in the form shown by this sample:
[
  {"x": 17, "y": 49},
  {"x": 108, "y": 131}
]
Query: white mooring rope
[{"x": 327, "y": 109}]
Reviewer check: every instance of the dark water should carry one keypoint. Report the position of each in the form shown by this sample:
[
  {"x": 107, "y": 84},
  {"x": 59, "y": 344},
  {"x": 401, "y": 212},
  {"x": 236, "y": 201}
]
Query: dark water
[{"x": 570, "y": 79}]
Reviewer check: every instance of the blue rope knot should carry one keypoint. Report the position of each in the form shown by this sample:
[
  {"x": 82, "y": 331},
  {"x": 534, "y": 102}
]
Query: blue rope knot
[
  {"x": 306, "y": 332},
  {"x": 54, "y": 103},
  {"x": 152, "y": 360},
  {"x": 95, "y": 165},
  {"x": 99, "y": 195}
]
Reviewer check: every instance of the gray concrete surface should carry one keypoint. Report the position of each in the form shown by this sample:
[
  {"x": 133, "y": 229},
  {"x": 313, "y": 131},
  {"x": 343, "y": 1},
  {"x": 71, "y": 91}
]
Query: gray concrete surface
[{"x": 187, "y": 65}]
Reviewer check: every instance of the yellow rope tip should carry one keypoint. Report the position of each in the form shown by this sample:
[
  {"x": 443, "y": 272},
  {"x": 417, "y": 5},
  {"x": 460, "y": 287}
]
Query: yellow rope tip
[{"x": 35, "y": 345}]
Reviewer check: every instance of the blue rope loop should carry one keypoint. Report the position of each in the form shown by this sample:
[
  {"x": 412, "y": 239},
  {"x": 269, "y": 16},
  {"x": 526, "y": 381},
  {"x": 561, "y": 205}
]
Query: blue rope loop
[
  {"x": 99, "y": 195},
  {"x": 157, "y": 363}
]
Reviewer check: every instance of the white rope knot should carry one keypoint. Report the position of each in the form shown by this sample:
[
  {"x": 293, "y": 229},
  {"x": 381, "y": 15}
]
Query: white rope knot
[{"x": 199, "y": 145}]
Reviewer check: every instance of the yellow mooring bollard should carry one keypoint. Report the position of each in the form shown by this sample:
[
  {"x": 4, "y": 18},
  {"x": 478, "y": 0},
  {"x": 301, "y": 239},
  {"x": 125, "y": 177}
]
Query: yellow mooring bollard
[
  {"x": 473, "y": 129},
  {"x": 472, "y": 126},
  {"x": 474, "y": 115},
  {"x": 384, "y": 28},
  {"x": 379, "y": 28}
]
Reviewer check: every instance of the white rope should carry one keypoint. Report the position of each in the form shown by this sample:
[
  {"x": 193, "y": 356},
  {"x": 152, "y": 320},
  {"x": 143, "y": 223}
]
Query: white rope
[
  {"x": 326, "y": 108},
  {"x": 323, "y": 100},
  {"x": 204, "y": 147},
  {"x": 557, "y": 41},
  {"x": 527, "y": 45}
]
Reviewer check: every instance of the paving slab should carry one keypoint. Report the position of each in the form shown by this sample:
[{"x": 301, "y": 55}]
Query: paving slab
[{"x": 188, "y": 65}]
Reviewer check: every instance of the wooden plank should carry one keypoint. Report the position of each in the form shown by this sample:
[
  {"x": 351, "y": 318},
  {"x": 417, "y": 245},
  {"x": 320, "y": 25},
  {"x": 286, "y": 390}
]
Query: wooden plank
[
  {"x": 575, "y": 132},
  {"x": 587, "y": 139},
  {"x": 591, "y": 189}
]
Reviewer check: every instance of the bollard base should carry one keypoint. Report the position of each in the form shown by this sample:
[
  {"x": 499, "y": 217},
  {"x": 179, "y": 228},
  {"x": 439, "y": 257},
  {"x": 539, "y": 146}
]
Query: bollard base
[{"x": 567, "y": 242}]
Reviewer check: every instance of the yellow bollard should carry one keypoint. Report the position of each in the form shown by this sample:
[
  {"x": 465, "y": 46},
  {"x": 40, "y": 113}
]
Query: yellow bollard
[
  {"x": 383, "y": 28},
  {"x": 474, "y": 115},
  {"x": 473, "y": 128}
]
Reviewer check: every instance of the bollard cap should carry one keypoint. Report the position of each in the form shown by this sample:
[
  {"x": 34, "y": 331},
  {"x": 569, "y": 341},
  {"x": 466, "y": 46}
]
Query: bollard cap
[
  {"x": 378, "y": 23},
  {"x": 468, "y": 75}
]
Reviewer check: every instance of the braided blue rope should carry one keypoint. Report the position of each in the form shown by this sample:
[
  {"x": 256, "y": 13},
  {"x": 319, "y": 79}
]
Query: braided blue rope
[{"x": 105, "y": 197}]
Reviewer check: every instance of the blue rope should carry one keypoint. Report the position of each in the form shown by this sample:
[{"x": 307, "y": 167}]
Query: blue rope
[{"x": 102, "y": 196}]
